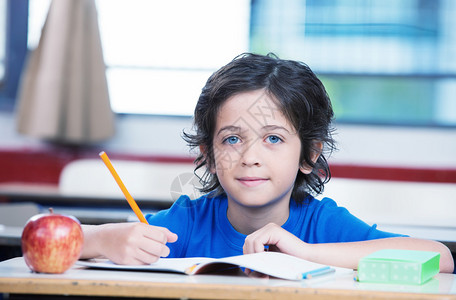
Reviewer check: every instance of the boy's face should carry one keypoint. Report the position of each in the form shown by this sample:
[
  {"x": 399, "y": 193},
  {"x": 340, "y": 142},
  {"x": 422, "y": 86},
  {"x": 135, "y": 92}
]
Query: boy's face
[{"x": 256, "y": 151}]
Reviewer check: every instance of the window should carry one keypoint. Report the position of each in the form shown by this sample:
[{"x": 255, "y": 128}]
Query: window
[
  {"x": 159, "y": 54},
  {"x": 38, "y": 10},
  {"x": 2, "y": 39},
  {"x": 382, "y": 61},
  {"x": 13, "y": 49}
]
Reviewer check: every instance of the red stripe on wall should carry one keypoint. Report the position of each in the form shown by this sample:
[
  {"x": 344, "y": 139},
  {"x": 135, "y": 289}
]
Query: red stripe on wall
[
  {"x": 394, "y": 173},
  {"x": 44, "y": 166}
]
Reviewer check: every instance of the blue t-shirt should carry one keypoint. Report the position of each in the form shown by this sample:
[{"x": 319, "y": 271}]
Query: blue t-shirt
[{"x": 204, "y": 230}]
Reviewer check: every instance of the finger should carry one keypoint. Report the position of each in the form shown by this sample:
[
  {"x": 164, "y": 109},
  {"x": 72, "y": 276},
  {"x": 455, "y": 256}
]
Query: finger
[
  {"x": 146, "y": 252},
  {"x": 265, "y": 236},
  {"x": 259, "y": 245},
  {"x": 172, "y": 237},
  {"x": 247, "y": 248},
  {"x": 273, "y": 248},
  {"x": 169, "y": 237},
  {"x": 146, "y": 257},
  {"x": 160, "y": 234},
  {"x": 255, "y": 274},
  {"x": 131, "y": 256},
  {"x": 154, "y": 248},
  {"x": 255, "y": 244}
]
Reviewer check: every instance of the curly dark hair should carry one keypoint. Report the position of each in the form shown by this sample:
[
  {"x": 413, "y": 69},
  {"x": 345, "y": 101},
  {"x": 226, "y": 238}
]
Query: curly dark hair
[{"x": 301, "y": 98}]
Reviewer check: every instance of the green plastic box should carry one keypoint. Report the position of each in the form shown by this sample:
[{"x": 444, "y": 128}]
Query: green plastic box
[{"x": 398, "y": 266}]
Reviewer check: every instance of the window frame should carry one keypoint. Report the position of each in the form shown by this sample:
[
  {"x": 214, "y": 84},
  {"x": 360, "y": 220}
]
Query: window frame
[{"x": 15, "y": 52}]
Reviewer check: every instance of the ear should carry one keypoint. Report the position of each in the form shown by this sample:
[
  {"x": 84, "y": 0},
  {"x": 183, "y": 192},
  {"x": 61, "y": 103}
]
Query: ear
[
  {"x": 209, "y": 165},
  {"x": 317, "y": 148}
]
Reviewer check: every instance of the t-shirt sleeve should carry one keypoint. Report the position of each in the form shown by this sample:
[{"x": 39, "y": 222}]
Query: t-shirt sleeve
[
  {"x": 178, "y": 219},
  {"x": 336, "y": 224}
]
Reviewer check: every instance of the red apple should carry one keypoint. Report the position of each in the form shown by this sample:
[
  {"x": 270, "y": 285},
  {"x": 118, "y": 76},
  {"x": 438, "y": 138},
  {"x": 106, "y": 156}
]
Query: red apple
[{"x": 51, "y": 243}]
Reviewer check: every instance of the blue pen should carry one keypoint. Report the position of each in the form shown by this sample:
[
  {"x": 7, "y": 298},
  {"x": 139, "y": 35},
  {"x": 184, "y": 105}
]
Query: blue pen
[{"x": 317, "y": 272}]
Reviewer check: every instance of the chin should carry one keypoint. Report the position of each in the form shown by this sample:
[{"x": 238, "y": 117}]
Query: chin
[{"x": 256, "y": 204}]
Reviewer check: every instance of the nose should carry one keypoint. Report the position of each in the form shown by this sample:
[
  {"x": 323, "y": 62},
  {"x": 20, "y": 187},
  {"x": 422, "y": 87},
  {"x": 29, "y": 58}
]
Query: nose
[{"x": 251, "y": 154}]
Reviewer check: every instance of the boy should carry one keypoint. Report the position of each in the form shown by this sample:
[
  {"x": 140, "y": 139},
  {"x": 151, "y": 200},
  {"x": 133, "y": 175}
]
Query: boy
[{"x": 263, "y": 127}]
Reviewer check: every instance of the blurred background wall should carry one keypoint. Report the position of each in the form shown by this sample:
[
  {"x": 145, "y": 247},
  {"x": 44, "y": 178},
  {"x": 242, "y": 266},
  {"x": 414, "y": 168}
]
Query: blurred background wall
[{"x": 388, "y": 65}]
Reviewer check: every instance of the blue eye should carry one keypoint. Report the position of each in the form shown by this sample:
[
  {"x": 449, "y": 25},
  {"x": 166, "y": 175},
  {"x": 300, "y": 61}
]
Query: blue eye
[
  {"x": 273, "y": 139},
  {"x": 231, "y": 140}
]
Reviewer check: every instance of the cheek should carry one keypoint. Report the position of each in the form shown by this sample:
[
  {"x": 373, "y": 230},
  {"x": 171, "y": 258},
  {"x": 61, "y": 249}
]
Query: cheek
[{"x": 224, "y": 159}]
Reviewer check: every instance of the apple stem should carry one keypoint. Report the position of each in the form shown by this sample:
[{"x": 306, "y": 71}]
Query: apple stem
[{"x": 51, "y": 210}]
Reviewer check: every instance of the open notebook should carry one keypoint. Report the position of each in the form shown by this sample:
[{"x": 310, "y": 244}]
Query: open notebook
[{"x": 274, "y": 264}]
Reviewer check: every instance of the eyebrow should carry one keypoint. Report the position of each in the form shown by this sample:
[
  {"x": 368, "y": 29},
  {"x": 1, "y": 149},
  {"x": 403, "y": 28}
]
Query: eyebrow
[
  {"x": 275, "y": 127},
  {"x": 232, "y": 128}
]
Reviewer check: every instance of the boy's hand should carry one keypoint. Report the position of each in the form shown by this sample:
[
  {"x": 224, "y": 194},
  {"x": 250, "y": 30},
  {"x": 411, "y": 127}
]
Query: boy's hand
[
  {"x": 277, "y": 238},
  {"x": 130, "y": 243}
]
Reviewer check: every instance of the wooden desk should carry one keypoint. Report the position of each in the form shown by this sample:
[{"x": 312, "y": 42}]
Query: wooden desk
[{"x": 16, "y": 278}]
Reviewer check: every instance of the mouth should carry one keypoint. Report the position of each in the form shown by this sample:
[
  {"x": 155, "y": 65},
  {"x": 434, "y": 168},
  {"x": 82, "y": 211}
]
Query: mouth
[{"x": 252, "y": 181}]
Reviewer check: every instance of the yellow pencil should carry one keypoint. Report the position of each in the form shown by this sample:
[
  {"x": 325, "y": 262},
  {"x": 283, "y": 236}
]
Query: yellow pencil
[{"x": 129, "y": 198}]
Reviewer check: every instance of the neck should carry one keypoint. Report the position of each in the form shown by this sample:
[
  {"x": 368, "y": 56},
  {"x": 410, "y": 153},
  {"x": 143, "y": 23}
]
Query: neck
[{"x": 247, "y": 220}]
